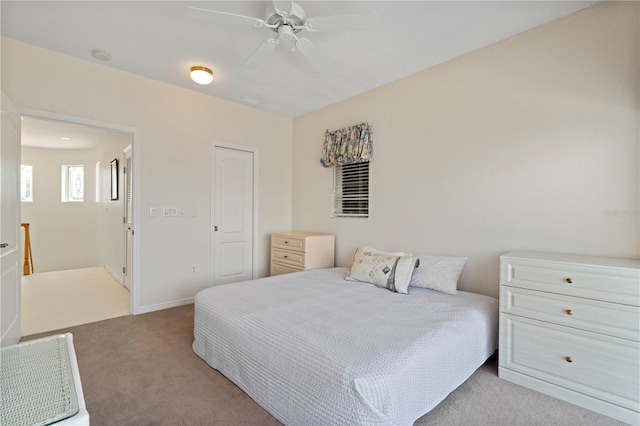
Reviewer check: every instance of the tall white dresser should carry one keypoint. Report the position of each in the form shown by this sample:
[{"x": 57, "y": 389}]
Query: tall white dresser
[{"x": 570, "y": 328}]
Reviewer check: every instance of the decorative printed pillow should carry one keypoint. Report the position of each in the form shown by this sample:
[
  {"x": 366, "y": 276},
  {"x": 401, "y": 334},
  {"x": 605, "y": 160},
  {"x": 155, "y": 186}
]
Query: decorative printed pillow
[
  {"x": 439, "y": 273},
  {"x": 383, "y": 270}
]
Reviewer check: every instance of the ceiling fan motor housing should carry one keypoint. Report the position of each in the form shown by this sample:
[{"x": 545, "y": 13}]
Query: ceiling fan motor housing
[{"x": 294, "y": 17}]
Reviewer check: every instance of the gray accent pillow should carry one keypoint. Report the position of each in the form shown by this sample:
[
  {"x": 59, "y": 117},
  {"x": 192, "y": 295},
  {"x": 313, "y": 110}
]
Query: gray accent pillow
[{"x": 439, "y": 273}]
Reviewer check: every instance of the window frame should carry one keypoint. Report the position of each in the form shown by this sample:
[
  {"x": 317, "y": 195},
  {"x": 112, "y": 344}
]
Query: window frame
[
  {"x": 23, "y": 183},
  {"x": 66, "y": 183},
  {"x": 98, "y": 188}
]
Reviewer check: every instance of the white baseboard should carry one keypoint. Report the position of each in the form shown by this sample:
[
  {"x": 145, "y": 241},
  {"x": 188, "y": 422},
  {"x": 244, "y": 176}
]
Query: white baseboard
[
  {"x": 117, "y": 277},
  {"x": 165, "y": 305}
]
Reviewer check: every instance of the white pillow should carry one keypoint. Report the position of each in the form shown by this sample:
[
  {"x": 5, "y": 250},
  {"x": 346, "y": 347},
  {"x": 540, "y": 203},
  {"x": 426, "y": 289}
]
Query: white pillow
[
  {"x": 376, "y": 251},
  {"x": 439, "y": 273},
  {"x": 383, "y": 270}
]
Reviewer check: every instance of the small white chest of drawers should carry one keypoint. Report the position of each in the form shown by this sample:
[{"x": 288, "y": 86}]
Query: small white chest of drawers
[
  {"x": 570, "y": 328},
  {"x": 298, "y": 251}
]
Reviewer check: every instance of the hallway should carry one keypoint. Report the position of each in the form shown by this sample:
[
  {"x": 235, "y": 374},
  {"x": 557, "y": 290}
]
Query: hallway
[{"x": 59, "y": 299}]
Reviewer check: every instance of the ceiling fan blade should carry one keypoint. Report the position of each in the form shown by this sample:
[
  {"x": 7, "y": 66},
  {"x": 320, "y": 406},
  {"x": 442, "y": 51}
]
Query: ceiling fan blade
[
  {"x": 260, "y": 54},
  {"x": 282, "y": 6},
  {"x": 311, "y": 54},
  {"x": 223, "y": 17},
  {"x": 358, "y": 22}
]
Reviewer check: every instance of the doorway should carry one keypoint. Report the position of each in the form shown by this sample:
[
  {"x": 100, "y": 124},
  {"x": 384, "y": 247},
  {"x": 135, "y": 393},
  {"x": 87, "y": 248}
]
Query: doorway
[{"x": 87, "y": 233}]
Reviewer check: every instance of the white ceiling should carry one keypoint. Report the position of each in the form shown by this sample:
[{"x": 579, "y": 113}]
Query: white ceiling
[{"x": 157, "y": 40}]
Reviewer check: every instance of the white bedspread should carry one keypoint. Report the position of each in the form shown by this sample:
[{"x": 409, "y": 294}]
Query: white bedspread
[{"x": 312, "y": 348}]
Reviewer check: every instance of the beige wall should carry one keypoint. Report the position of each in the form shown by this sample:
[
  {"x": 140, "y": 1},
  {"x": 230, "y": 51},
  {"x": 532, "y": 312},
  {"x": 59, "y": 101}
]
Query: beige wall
[
  {"x": 526, "y": 144},
  {"x": 63, "y": 235},
  {"x": 79, "y": 234},
  {"x": 176, "y": 128}
]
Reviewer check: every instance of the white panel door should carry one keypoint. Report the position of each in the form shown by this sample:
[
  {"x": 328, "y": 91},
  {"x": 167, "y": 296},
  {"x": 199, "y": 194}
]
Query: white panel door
[
  {"x": 232, "y": 215},
  {"x": 10, "y": 242}
]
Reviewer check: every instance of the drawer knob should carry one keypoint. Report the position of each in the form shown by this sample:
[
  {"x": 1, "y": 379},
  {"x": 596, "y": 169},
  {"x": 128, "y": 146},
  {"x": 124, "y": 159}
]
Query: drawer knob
[
  {"x": 570, "y": 280},
  {"x": 569, "y": 359},
  {"x": 285, "y": 256},
  {"x": 286, "y": 242},
  {"x": 569, "y": 312}
]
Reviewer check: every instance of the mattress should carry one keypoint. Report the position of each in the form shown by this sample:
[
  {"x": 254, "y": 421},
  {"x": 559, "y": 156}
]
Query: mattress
[{"x": 313, "y": 348}]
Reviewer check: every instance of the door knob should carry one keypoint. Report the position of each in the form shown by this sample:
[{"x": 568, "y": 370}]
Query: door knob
[{"x": 3, "y": 245}]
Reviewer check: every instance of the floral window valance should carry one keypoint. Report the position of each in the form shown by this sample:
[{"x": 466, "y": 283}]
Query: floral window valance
[{"x": 347, "y": 146}]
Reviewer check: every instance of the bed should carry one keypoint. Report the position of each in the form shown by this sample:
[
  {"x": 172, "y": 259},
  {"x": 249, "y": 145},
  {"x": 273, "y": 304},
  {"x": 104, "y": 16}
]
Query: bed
[{"x": 313, "y": 348}]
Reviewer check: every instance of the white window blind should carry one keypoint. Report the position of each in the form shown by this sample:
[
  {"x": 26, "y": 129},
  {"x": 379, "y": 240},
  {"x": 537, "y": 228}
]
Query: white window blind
[{"x": 351, "y": 190}]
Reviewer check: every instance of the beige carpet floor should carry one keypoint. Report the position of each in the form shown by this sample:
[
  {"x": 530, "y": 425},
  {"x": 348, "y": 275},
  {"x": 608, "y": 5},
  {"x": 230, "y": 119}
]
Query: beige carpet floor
[
  {"x": 59, "y": 299},
  {"x": 141, "y": 370}
]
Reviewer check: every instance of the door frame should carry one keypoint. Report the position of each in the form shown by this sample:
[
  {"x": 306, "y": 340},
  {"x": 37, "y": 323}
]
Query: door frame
[
  {"x": 254, "y": 256},
  {"x": 135, "y": 143},
  {"x": 128, "y": 237}
]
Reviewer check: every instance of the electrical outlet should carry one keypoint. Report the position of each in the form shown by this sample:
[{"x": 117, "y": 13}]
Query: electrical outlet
[
  {"x": 152, "y": 211},
  {"x": 193, "y": 268}
]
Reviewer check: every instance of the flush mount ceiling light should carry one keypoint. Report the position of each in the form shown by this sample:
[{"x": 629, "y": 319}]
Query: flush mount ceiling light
[{"x": 201, "y": 75}]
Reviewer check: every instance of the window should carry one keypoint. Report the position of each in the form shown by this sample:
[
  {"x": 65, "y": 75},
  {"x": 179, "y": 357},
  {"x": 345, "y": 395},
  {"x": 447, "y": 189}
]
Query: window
[
  {"x": 72, "y": 183},
  {"x": 98, "y": 182},
  {"x": 26, "y": 183},
  {"x": 351, "y": 190}
]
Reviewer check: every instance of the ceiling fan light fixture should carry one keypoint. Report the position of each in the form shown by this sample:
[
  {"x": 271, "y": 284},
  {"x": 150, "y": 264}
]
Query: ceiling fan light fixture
[
  {"x": 285, "y": 33},
  {"x": 201, "y": 75}
]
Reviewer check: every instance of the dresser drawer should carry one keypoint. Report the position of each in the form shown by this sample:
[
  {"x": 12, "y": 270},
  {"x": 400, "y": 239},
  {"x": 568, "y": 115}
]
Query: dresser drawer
[
  {"x": 617, "y": 285},
  {"x": 600, "y": 366},
  {"x": 601, "y": 317},
  {"x": 279, "y": 269},
  {"x": 290, "y": 258},
  {"x": 287, "y": 243}
]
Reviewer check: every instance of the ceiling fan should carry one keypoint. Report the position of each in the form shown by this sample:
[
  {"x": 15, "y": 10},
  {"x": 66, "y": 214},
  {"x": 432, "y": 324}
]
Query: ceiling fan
[{"x": 286, "y": 19}]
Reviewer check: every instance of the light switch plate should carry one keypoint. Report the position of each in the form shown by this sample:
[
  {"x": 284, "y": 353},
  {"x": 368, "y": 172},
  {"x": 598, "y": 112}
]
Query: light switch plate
[{"x": 169, "y": 211}]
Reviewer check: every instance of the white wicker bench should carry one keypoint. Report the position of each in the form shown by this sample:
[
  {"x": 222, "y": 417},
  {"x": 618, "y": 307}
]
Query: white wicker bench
[{"x": 40, "y": 383}]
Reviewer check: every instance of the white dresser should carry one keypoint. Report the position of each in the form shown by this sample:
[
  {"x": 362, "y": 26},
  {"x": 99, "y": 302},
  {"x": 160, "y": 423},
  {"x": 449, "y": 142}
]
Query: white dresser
[
  {"x": 297, "y": 251},
  {"x": 570, "y": 328}
]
